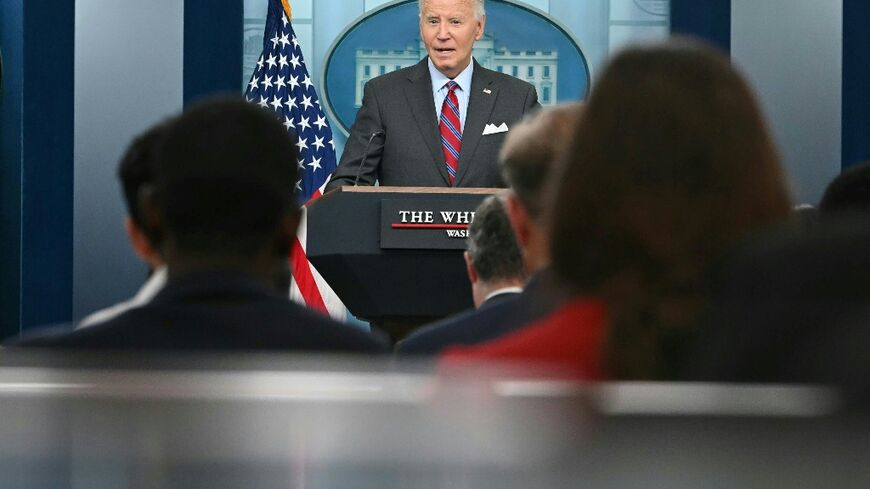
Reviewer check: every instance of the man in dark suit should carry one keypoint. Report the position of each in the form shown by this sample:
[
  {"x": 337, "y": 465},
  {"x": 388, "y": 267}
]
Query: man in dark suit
[
  {"x": 402, "y": 125},
  {"x": 220, "y": 210},
  {"x": 528, "y": 156},
  {"x": 493, "y": 260}
]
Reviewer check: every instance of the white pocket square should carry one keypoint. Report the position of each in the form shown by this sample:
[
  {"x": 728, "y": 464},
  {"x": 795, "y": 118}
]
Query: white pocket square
[{"x": 493, "y": 129}]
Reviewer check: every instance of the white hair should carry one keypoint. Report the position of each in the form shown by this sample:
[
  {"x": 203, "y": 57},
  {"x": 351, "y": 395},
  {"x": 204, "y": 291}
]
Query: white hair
[{"x": 479, "y": 8}]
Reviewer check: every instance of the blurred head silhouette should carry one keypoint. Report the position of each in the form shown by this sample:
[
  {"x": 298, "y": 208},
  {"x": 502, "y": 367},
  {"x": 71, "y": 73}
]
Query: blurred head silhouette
[
  {"x": 530, "y": 152},
  {"x": 670, "y": 165},
  {"x": 222, "y": 193}
]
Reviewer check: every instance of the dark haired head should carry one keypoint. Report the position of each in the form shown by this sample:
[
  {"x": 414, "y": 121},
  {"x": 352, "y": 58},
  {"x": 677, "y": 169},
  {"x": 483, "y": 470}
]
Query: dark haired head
[
  {"x": 224, "y": 180},
  {"x": 532, "y": 148},
  {"x": 492, "y": 246},
  {"x": 671, "y": 164},
  {"x": 848, "y": 192}
]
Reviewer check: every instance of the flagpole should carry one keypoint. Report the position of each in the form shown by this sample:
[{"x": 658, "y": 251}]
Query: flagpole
[{"x": 287, "y": 9}]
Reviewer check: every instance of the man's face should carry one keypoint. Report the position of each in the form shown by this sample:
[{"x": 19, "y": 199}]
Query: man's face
[{"x": 449, "y": 29}]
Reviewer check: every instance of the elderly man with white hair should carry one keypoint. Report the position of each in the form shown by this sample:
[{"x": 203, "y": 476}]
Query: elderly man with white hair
[{"x": 441, "y": 122}]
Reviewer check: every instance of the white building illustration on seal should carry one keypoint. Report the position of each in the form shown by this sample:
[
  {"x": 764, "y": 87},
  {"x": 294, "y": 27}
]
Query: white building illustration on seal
[{"x": 540, "y": 68}]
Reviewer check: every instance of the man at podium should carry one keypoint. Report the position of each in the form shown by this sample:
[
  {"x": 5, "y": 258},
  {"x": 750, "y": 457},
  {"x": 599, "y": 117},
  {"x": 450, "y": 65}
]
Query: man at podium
[{"x": 441, "y": 122}]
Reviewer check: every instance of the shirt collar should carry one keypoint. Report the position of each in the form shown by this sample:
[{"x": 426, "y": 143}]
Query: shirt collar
[
  {"x": 463, "y": 79},
  {"x": 506, "y": 290}
]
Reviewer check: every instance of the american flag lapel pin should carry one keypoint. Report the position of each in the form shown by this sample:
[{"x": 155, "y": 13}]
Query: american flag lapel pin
[{"x": 487, "y": 91}]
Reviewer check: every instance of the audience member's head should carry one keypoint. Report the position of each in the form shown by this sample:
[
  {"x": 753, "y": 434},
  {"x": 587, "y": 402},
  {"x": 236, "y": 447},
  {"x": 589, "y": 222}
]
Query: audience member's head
[
  {"x": 849, "y": 192},
  {"x": 222, "y": 197},
  {"x": 493, "y": 259},
  {"x": 530, "y": 151},
  {"x": 135, "y": 170},
  {"x": 671, "y": 164}
]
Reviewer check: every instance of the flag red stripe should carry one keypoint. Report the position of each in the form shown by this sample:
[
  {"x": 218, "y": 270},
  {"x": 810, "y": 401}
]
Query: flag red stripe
[
  {"x": 305, "y": 279},
  {"x": 314, "y": 196}
]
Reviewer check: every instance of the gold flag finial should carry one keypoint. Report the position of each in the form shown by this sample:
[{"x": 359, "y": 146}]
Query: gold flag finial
[{"x": 287, "y": 9}]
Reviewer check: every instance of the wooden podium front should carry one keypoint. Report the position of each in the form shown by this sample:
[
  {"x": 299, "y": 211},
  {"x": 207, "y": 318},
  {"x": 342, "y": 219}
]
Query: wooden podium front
[{"x": 389, "y": 254}]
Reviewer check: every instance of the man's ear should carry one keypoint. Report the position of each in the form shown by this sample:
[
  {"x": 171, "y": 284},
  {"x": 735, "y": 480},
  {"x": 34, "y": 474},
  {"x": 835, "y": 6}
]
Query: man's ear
[
  {"x": 481, "y": 25},
  {"x": 519, "y": 218},
  {"x": 469, "y": 268},
  {"x": 152, "y": 220},
  {"x": 141, "y": 244}
]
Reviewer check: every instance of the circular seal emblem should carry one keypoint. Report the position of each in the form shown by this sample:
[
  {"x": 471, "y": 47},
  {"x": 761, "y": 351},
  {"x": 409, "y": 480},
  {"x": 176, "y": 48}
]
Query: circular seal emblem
[{"x": 519, "y": 40}]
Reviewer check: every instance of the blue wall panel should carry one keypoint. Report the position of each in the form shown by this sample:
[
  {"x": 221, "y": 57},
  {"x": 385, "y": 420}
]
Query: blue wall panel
[
  {"x": 856, "y": 80},
  {"x": 212, "y": 47},
  {"x": 707, "y": 19},
  {"x": 12, "y": 45},
  {"x": 47, "y": 183},
  {"x": 37, "y": 166}
]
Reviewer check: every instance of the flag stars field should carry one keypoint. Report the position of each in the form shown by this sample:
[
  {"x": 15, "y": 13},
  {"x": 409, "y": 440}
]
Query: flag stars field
[{"x": 281, "y": 82}]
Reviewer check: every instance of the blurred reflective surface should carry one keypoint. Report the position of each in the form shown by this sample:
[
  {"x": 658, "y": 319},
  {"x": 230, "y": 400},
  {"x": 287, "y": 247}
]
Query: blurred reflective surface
[{"x": 273, "y": 421}]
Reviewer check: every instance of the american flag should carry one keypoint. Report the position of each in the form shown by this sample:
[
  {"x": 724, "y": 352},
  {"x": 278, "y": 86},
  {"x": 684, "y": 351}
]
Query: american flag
[{"x": 281, "y": 83}]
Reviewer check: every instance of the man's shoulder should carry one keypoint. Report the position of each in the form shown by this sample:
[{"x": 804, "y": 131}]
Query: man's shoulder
[
  {"x": 272, "y": 323},
  {"x": 465, "y": 328},
  {"x": 325, "y": 324}
]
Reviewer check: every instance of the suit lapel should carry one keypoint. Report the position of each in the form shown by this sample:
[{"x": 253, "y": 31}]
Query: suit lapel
[
  {"x": 481, "y": 101},
  {"x": 418, "y": 93}
]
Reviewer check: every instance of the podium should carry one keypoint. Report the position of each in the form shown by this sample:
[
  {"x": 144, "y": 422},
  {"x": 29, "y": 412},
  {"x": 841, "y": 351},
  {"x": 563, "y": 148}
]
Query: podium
[{"x": 389, "y": 254}]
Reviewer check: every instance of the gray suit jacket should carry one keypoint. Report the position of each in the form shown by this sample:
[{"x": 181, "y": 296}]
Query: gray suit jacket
[{"x": 400, "y": 105}]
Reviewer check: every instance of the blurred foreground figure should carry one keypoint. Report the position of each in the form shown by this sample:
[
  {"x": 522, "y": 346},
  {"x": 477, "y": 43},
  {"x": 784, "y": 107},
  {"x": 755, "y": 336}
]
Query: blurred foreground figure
[
  {"x": 670, "y": 166},
  {"x": 794, "y": 309},
  {"x": 531, "y": 150},
  {"x": 849, "y": 192},
  {"x": 221, "y": 213}
]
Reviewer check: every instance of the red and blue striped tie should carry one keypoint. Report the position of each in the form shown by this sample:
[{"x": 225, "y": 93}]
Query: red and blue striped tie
[{"x": 451, "y": 130}]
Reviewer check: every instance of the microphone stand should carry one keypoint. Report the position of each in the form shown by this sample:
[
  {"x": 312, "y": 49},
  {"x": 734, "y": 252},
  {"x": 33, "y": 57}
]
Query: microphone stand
[{"x": 365, "y": 156}]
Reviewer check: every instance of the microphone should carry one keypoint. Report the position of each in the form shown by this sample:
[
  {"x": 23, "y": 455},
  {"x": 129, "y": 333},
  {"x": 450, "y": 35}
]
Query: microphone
[{"x": 365, "y": 156}]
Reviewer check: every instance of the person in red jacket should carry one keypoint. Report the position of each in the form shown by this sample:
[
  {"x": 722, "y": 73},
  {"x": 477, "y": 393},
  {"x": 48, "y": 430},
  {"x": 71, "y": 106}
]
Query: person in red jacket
[{"x": 670, "y": 166}]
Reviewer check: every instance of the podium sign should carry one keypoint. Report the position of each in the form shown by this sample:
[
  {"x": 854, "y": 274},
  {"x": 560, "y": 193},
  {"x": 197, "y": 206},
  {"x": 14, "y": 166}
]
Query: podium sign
[
  {"x": 425, "y": 224},
  {"x": 383, "y": 270}
]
